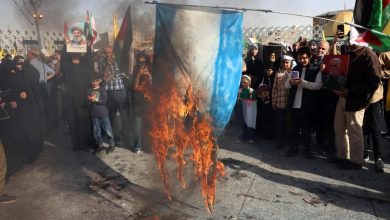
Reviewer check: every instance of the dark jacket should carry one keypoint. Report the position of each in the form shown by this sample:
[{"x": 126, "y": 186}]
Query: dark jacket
[
  {"x": 309, "y": 97},
  {"x": 98, "y": 109},
  {"x": 254, "y": 69},
  {"x": 363, "y": 78}
]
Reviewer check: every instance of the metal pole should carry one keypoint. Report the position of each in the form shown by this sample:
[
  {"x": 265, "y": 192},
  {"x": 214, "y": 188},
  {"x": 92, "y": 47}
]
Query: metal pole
[
  {"x": 37, "y": 18},
  {"x": 270, "y": 11}
]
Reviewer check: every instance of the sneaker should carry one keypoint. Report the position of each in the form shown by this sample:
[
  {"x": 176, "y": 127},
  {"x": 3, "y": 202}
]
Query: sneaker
[
  {"x": 110, "y": 149},
  {"x": 366, "y": 157},
  {"x": 137, "y": 150},
  {"x": 251, "y": 141},
  {"x": 348, "y": 165},
  {"x": 5, "y": 199},
  {"x": 386, "y": 134},
  {"x": 292, "y": 152},
  {"x": 99, "y": 149},
  {"x": 379, "y": 165}
]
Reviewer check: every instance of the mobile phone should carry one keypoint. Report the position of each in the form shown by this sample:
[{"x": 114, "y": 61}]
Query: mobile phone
[
  {"x": 295, "y": 75},
  {"x": 340, "y": 31}
]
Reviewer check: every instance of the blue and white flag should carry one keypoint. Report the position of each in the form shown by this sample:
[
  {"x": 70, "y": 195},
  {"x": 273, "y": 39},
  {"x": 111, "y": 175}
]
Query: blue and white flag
[{"x": 204, "y": 45}]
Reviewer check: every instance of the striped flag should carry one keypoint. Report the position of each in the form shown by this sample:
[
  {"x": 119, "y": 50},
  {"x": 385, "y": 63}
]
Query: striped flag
[
  {"x": 123, "y": 42},
  {"x": 90, "y": 28},
  {"x": 373, "y": 15},
  {"x": 93, "y": 28}
]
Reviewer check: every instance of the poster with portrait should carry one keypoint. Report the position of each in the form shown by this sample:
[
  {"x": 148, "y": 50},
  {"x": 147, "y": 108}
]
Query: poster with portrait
[
  {"x": 75, "y": 38},
  {"x": 335, "y": 72},
  {"x": 271, "y": 54}
]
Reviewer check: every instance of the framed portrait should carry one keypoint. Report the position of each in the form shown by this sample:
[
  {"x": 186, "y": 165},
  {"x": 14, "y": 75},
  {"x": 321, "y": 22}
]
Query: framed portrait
[
  {"x": 272, "y": 51},
  {"x": 335, "y": 72}
]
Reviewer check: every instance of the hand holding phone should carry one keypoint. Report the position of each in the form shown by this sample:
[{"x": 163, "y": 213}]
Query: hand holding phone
[
  {"x": 294, "y": 75},
  {"x": 340, "y": 31}
]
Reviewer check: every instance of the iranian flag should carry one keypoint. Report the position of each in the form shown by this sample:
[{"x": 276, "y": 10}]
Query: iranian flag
[
  {"x": 374, "y": 16},
  {"x": 123, "y": 43},
  {"x": 90, "y": 28}
]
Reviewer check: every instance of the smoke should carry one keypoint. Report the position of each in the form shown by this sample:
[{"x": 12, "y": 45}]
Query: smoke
[{"x": 56, "y": 12}]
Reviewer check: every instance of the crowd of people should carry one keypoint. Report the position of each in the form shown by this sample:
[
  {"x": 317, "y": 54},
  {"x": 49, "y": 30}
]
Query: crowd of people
[
  {"x": 280, "y": 98},
  {"x": 283, "y": 98},
  {"x": 85, "y": 90}
]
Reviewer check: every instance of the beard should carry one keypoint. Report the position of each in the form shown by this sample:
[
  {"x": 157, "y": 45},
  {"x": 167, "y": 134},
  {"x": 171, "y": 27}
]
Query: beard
[{"x": 77, "y": 39}]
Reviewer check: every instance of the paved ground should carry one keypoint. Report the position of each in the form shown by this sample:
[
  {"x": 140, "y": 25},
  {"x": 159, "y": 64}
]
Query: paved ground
[{"x": 259, "y": 184}]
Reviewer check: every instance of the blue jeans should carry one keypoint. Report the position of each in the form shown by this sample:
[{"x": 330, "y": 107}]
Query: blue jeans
[
  {"x": 100, "y": 124},
  {"x": 137, "y": 135}
]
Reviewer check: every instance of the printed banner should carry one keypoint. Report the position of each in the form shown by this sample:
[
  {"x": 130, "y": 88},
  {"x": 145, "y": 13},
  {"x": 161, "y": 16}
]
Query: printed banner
[{"x": 75, "y": 38}]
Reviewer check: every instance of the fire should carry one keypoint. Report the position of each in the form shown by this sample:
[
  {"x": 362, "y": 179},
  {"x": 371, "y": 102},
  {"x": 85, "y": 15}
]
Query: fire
[{"x": 177, "y": 127}]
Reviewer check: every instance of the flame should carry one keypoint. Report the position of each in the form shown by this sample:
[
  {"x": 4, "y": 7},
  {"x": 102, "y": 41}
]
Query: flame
[{"x": 177, "y": 127}]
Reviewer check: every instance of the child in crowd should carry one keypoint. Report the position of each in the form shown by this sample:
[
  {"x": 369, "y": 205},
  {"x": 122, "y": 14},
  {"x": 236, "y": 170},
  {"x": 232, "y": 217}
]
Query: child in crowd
[
  {"x": 141, "y": 94},
  {"x": 97, "y": 98},
  {"x": 248, "y": 109},
  {"x": 279, "y": 99}
]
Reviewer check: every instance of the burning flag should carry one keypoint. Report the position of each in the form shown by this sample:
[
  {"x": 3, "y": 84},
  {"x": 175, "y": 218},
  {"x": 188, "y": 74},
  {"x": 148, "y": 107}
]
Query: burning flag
[
  {"x": 374, "y": 15},
  {"x": 196, "y": 75}
]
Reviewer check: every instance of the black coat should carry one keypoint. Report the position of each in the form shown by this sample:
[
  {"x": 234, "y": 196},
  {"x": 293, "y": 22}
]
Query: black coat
[
  {"x": 309, "y": 98},
  {"x": 362, "y": 80},
  {"x": 254, "y": 69}
]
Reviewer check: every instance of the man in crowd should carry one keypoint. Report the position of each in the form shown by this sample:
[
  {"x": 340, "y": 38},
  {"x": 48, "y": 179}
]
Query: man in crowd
[
  {"x": 371, "y": 123},
  {"x": 313, "y": 48},
  {"x": 362, "y": 80},
  {"x": 46, "y": 74},
  {"x": 4, "y": 198},
  {"x": 384, "y": 60},
  {"x": 116, "y": 83},
  {"x": 327, "y": 104},
  {"x": 301, "y": 102}
]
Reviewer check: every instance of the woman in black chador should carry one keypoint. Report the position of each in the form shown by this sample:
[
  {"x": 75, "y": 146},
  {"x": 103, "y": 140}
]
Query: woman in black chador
[{"x": 77, "y": 69}]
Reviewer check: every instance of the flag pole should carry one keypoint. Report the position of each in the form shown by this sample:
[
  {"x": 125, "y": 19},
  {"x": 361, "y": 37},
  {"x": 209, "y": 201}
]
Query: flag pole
[{"x": 273, "y": 12}]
